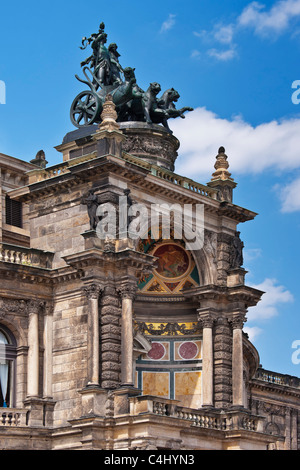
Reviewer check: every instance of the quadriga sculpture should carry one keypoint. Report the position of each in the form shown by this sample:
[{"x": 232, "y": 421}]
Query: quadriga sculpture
[{"x": 106, "y": 76}]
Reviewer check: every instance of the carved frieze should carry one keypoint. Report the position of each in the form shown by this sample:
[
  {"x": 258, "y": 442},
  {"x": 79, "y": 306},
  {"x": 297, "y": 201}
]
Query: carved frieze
[
  {"x": 21, "y": 306},
  {"x": 12, "y": 306},
  {"x": 171, "y": 329}
]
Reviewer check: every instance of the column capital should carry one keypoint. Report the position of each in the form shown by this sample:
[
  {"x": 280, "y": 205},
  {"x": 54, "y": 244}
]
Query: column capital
[
  {"x": 93, "y": 291},
  {"x": 127, "y": 291},
  {"x": 206, "y": 317},
  {"x": 35, "y": 305},
  {"x": 237, "y": 320}
]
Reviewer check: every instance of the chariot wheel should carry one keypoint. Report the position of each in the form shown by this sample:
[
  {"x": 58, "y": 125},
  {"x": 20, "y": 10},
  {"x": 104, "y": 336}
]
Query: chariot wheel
[{"x": 85, "y": 109}]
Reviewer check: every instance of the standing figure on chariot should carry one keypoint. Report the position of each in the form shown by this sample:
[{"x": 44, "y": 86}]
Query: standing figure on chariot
[
  {"x": 115, "y": 67},
  {"x": 103, "y": 70},
  {"x": 104, "y": 60}
]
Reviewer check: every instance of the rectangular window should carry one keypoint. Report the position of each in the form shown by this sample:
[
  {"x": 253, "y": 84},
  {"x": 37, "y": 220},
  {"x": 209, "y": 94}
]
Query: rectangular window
[{"x": 13, "y": 212}]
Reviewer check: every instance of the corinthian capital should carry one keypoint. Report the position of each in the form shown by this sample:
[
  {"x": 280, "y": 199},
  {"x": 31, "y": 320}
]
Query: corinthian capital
[
  {"x": 206, "y": 318},
  {"x": 127, "y": 291},
  {"x": 93, "y": 291},
  {"x": 237, "y": 321},
  {"x": 35, "y": 306}
]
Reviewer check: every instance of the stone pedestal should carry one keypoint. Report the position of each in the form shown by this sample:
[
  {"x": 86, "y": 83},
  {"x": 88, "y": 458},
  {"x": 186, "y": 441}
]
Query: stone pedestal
[
  {"x": 40, "y": 412},
  {"x": 94, "y": 401},
  {"x": 151, "y": 142},
  {"x": 236, "y": 277}
]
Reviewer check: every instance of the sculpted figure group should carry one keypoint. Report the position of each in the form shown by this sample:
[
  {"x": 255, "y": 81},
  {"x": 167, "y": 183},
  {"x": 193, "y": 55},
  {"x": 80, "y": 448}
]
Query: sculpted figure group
[{"x": 104, "y": 74}]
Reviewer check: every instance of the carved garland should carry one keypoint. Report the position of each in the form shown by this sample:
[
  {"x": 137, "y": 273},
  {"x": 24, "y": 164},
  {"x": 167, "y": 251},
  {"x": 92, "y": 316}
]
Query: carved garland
[{"x": 171, "y": 329}]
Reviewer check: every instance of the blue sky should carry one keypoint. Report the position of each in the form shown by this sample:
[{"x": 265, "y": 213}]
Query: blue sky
[{"x": 234, "y": 61}]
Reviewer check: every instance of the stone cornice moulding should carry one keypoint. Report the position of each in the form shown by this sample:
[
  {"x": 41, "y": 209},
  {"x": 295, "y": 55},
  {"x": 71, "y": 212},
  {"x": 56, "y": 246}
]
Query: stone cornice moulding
[
  {"x": 141, "y": 176},
  {"x": 227, "y": 299}
]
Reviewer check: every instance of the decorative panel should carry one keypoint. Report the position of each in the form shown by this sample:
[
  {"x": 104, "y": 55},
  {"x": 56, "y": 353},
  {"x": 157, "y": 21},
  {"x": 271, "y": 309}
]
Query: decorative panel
[
  {"x": 156, "y": 383},
  {"x": 172, "y": 369},
  {"x": 188, "y": 388},
  {"x": 175, "y": 270}
]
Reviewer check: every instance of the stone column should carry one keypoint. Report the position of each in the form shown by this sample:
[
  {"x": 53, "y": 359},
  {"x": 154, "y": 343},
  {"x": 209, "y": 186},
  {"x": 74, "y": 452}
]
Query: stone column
[
  {"x": 110, "y": 338},
  {"x": 207, "y": 321},
  {"x": 222, "y": 363},
  {"x": 48, "y": 351},
  {"x": 92, "y": 293},
  {"x": 127, "y": 293},
  {"x": 33, "y": 349},
  {"x": 237, "y": 361}
]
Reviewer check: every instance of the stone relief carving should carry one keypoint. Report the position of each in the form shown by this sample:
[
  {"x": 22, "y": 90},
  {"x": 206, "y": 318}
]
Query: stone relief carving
[{"x": 171, "y": 329}]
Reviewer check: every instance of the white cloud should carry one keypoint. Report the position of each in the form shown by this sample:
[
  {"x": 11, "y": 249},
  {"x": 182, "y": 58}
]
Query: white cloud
[
  {"x": 290, "y": 196},
  {"x": 195, "y": 54},
  {"x": 276, "y": 20},
  {"x": 221, "y": 34},
  {"x": 224, "y": 34},
  {"x": 223, "y": 56},
  {"x": 264, "y": 23},
  {"x": 268, "y": 306},
  {"x": 272, "y": 146},
  {"x": 251, "y": 254},
  {"x": 168, "y": 24},
  {"x": 251, "y": 150},
  {"x": 253, "y": 332}
]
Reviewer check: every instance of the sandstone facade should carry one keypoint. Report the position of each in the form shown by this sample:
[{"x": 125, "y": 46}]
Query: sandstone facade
[{"x": 91, "y": 324}]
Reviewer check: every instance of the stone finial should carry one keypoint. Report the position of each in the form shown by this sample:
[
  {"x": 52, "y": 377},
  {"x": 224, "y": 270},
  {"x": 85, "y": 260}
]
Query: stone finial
[
  {"x": 221, "y": 167},
  {"x": 109, "y": 115},
  {"x": 221, "y": 178},
  {"x": 40, "y": 159}
]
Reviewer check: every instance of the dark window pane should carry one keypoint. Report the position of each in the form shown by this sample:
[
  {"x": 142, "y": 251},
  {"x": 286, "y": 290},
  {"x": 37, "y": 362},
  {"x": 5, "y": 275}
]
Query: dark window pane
[{"x": 13, "y": 212}]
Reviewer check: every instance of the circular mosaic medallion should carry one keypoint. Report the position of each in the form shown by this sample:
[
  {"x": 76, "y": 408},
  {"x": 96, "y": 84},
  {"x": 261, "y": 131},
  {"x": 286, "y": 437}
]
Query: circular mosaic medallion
[
  {"x": 157, "y": 351},
  {"x": 173, "y": 261},
  {"x": 188, "y": 350}
]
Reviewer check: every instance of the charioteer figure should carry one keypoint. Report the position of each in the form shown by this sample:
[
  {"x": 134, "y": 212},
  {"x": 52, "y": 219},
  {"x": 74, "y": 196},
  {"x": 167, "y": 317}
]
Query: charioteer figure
[{"x": 105, "y": 75}]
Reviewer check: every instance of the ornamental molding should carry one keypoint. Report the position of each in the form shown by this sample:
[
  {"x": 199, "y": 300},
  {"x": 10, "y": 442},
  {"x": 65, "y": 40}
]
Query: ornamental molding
[
  {"x": 168, "y": 329},
  {"x": 161, "y": 298},
  {"x": 8, "y": 306},
  {"x": 23, "y": 306}
]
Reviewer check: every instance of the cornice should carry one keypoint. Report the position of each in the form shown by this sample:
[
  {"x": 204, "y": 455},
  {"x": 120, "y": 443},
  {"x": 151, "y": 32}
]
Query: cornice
[
  {"x": 98, "y": 257},
  {"x": 147, "y": 177},
  {"x": 247, "y": 294},
  {"x": 37, "y": 275},
  {"x": 275, "y": 388}
]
